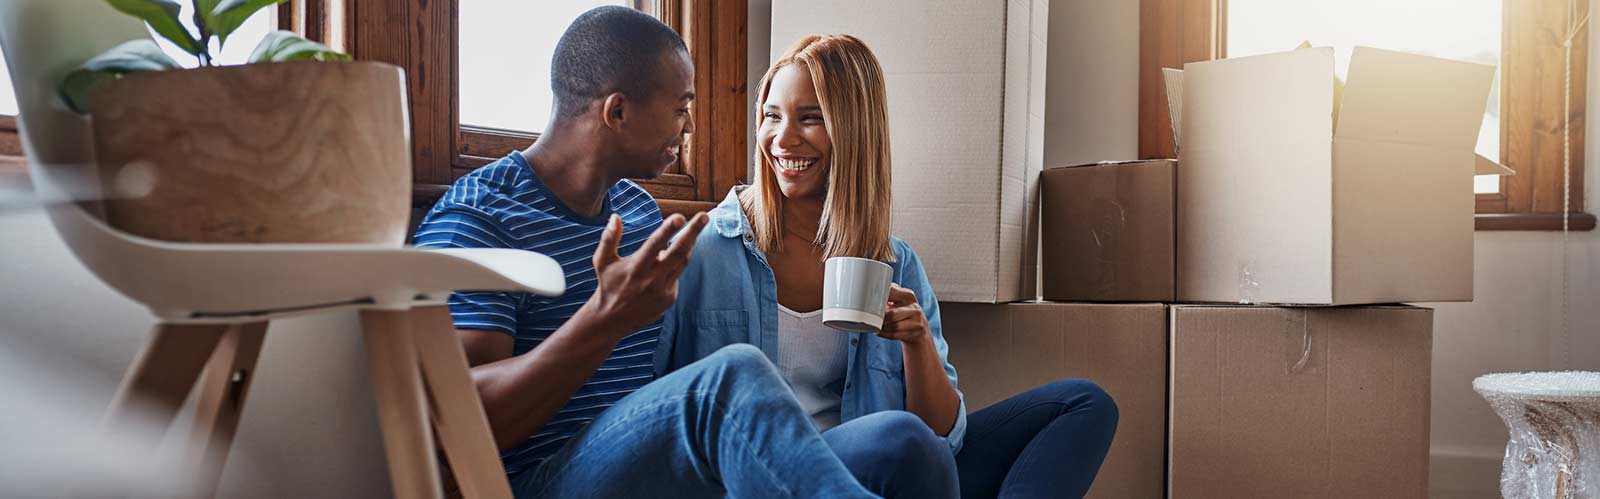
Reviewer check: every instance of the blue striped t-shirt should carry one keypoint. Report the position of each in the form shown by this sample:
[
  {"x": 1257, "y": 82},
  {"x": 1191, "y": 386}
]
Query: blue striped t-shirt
[{"x": 504, "y": 205}]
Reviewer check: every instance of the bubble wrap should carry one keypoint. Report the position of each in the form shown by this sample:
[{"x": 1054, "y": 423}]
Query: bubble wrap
[{"x": 1554, "y": 421}]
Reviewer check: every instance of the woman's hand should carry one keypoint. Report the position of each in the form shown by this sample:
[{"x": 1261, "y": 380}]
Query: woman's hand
[{"x": 904, "y": 320}]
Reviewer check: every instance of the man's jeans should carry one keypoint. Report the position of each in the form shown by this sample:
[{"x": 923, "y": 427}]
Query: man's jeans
[{"x": 727, "y": 424}]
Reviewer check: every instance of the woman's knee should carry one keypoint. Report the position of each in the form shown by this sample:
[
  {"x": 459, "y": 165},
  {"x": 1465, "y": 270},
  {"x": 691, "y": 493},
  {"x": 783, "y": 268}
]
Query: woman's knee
[
  {"x": 903, "y": 436},
  {"x": 1085, "y": 394}
]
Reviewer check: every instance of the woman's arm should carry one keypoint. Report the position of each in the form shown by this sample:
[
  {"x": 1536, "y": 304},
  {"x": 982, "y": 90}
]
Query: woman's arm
[{"x": 929, "y": 393}]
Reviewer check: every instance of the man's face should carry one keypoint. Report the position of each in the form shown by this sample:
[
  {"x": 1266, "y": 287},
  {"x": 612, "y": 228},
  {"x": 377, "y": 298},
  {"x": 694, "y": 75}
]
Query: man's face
[{"x": 651, "y": 135}]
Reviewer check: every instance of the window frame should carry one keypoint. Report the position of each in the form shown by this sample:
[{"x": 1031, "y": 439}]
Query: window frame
[
  {"x": 444, "y": 149},
  {"x": 1174, "y": 32}
]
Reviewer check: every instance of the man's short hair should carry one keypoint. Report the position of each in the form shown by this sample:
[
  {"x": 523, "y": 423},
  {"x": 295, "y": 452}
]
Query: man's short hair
[{"x": 609, "y": 49}]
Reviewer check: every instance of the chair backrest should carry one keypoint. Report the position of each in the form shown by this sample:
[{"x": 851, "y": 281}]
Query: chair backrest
[{"x": 43, "y": 40}]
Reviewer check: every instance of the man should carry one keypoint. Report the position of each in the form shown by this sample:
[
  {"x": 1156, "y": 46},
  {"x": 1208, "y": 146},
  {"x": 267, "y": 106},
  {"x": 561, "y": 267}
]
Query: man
[{"x": 567, "y": 381}]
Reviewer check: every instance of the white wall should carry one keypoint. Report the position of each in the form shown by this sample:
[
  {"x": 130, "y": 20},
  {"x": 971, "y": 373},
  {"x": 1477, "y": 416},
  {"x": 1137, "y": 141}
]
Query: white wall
[{"x": 1514, "y": 324}]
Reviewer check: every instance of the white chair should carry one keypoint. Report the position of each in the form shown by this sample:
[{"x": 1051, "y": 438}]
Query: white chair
[{"x": 213, "y": 301}]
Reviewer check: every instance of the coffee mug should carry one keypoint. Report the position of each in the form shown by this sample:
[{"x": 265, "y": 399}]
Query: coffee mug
[{"x": 854, "y": 293}]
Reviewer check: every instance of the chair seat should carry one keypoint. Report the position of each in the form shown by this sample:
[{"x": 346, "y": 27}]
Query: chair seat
[{"x": 185, "y": 282}]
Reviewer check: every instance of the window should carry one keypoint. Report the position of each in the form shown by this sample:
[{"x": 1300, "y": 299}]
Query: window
[
  {"x": 504, "y": 63},
  {"x": 1523, "y": 125},
  {"x": 8, "y": 96},
  {"x": 1457, "y": 29},
  {"x": 478, "y": 78}
]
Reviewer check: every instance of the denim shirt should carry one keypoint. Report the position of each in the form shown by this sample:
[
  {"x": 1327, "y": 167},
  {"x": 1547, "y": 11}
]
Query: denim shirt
[{"x": 728, "y": 295}]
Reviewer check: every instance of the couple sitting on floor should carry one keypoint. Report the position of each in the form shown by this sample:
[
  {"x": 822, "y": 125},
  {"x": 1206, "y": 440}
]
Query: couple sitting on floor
[{"x": 698, "y": 365}]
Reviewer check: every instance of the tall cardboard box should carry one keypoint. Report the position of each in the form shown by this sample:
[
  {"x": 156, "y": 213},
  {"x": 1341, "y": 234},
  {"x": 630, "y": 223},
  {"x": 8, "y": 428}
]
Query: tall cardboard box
[
  {"x": 1106, "y": 231},
  {"x": 1292, "y": 193},
  {"x": 1299, "y": 402},
  {"x": 1002, "y": 350},
  {"x": 965, "y": 81}
]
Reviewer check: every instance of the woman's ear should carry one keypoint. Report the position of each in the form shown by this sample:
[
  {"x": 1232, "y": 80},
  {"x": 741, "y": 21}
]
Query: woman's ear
[{"x": 612, "y": 110}]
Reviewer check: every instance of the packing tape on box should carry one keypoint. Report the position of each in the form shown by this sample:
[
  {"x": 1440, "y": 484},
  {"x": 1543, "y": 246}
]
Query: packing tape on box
[
  {"x": 1554, "y": 423},
  {"x": 1297, "y": 341},
  {"x": 1110, "y": 219},
  {"x": 1249, "y": 287}
]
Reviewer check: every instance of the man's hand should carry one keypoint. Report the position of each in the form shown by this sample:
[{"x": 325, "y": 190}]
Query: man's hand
[
  {"x": 904, "y": 320},
  {"x": 636, "y": 290}
]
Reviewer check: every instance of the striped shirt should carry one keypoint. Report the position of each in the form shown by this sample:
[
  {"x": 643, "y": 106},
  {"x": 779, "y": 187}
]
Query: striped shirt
[{"x": 504, "y": 205}]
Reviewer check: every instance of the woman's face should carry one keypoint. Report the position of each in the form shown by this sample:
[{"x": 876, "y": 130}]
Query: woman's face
[{"x": 793, "y": 134}]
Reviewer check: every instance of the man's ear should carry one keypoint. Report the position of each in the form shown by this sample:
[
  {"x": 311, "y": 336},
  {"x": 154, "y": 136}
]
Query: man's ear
[{"x": 613, "y": 109}]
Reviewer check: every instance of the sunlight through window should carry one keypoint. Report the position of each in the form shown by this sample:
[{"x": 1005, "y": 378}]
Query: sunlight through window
[
  {"x": 504, "y": 59},
  {"x": 1457, "y": 29}
]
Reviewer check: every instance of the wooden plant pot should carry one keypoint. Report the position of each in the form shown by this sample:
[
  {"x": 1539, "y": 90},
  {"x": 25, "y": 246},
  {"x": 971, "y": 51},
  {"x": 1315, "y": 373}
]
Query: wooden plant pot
[{"x": 291, "y": 152}]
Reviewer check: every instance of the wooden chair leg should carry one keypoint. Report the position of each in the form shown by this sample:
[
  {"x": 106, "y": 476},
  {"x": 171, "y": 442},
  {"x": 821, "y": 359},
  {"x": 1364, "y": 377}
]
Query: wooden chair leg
[
  {"x": 458, "y": 415},
  {"x": 160, "y": 379},
  {"x": 223, "y": 388},
  {"x": 402, "y": 407}
]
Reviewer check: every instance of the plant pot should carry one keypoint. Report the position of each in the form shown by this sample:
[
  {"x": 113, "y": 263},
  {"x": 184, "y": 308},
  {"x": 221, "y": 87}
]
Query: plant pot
[{"x": 291, "y": 152}]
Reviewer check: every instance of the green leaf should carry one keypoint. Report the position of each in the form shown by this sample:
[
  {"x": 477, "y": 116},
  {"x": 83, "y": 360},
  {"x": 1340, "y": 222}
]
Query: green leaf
[
  {"x": 130, "y": 57},
  {"x": 162, "y": 15},
  {"x": 228, "y": 15},
  {"x": 202, "y": 16},
  {"x": 279, "y": 46}
]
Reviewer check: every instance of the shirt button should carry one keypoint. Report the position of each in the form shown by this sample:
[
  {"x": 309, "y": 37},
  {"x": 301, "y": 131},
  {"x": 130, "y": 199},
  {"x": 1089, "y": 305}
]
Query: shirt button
[
  {"x": 748, "y": 237},
  {"x": 855, "y": 341},
  {"x": 847, "y": 386}
]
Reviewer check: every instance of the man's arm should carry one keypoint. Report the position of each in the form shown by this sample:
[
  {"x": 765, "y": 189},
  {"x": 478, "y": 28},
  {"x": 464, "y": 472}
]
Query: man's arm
[{"x": 521, "y": 393}]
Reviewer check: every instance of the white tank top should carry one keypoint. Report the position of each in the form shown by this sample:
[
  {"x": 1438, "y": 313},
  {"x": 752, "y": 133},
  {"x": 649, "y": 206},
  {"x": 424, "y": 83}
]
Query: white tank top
[{"x": 812, "y": 357}]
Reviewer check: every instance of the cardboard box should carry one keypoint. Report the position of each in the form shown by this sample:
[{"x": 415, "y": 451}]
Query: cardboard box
[
  {"x": 966, "y": 117},
  {"x": 1002, "y": 350},
  {"x": 1294, "y": 193},
  {"x": 1299, "y": 402},
  {"x": 1107, "y": 231}
]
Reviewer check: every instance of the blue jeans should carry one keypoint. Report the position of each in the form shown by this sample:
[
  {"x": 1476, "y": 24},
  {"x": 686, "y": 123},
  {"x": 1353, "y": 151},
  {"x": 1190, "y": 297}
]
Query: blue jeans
[
  {"x": 727, "y": 424},
  {"x": 1045, "y": 442},
  {"x": 894, "y": 454}
]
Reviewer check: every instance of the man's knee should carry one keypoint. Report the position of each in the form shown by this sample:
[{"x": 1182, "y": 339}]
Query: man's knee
[
  {"x": 741, "y": 362},
  {"x": 741, "y": 355}
]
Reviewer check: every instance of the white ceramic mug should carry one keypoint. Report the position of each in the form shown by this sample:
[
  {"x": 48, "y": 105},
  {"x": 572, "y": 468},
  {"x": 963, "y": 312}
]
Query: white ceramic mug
[{"x": 854, "y": 293}]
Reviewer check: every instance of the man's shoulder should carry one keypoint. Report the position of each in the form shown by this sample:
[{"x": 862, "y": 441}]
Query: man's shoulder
[
  {"x": 630, "y": 201},
  {"x": 504, "y": 178}
]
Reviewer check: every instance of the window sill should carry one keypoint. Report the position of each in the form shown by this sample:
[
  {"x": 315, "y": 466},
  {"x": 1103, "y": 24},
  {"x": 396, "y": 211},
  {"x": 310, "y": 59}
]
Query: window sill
[{"x": 1577, "y": 222}]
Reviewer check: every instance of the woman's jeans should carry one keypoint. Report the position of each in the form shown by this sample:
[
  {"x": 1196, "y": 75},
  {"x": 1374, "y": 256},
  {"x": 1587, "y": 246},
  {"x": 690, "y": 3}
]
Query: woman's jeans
[{"x": 1045, "y": 442}]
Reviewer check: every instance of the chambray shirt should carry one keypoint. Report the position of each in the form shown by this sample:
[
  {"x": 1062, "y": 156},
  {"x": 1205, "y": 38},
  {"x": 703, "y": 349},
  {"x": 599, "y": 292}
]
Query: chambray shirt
[{"x": 728, "y": 295}]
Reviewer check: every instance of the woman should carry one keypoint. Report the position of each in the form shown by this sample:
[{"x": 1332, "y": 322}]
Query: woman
[{"x": 886, "y": 402}]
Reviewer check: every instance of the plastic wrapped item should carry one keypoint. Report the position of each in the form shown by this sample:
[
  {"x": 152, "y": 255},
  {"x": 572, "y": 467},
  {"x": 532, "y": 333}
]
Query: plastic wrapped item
[{"x": 1554, "y": 421}]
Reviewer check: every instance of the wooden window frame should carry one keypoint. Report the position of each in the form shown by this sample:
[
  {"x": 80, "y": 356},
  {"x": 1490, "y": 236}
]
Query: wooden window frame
[
  {"x": 444, "y": 149},
  {"x": 1174, "y": 32}
]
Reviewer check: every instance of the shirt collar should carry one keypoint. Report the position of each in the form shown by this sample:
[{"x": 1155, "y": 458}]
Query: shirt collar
[{"x": 728, "y": 216}]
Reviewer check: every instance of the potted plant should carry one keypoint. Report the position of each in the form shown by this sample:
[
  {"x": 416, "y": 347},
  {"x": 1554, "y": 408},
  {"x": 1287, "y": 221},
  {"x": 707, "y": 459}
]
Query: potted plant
[{"x": 298, "y": 145}]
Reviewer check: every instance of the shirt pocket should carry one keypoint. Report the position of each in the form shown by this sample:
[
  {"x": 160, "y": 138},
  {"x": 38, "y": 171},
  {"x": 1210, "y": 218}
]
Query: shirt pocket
[
  {"x": 713, "y": 329},
  {"x": 885, "y": 357}
]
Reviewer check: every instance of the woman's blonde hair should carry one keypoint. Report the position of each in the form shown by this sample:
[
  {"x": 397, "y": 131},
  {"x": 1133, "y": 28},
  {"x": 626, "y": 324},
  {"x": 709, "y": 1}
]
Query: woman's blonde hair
[{"x": 850, "y": 90}]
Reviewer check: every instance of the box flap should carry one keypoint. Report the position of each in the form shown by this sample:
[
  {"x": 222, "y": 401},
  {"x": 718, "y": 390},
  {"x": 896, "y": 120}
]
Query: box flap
[
  {"x": 1486, "y": 166},
  {"x": 1174, "y": 81},
  {"x": 1415, "y": 99},
  {"x": 1108, "y": 163}
]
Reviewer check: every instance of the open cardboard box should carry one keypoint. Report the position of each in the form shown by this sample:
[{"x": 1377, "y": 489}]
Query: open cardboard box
[{"x": 1296, "y": 191}]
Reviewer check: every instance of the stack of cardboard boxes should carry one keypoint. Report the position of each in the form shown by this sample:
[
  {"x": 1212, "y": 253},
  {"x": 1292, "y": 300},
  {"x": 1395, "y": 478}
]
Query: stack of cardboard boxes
[
  {"x": 1243, "y": 303},
  {"x": 1273, "y": 356}
]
